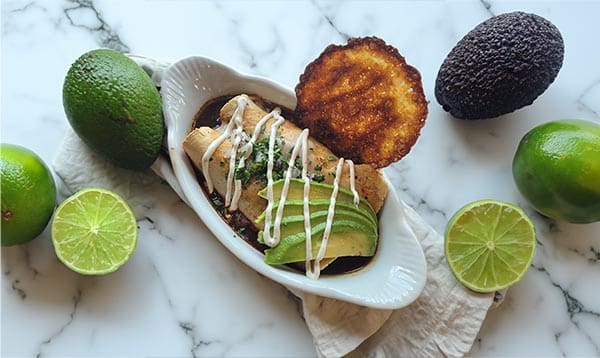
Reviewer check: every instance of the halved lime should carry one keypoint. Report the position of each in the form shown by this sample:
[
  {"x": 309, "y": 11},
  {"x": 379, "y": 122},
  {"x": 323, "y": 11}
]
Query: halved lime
[
  {"x": 489, "y": 245},
  {"x": 94, "y": 232}
]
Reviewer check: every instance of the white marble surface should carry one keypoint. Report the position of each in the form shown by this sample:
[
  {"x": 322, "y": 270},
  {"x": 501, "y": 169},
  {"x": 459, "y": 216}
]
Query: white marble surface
[{"x": 183, "y": 295}]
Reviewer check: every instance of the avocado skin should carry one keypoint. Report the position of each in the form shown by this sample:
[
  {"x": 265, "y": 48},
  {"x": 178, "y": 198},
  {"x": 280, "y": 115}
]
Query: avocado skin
[
  {"x": 501, "y": 65},
  {"x": 114, "y": 107}
]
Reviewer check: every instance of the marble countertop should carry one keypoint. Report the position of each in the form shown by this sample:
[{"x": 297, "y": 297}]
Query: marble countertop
[{"x": 183, "y": 295}]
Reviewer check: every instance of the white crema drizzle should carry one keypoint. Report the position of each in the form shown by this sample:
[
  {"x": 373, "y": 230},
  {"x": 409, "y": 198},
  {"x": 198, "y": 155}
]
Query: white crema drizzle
[
  {"x": 356, "y": 199},
  {"x": 242, "y": 102},
  {"x": 234, "y": 131},
  {"x": 301, "y": 144},
  {"x": 246, "y": 151},
  {"x": 271, "y": 155},
  {"x": 314, "y": 270}
]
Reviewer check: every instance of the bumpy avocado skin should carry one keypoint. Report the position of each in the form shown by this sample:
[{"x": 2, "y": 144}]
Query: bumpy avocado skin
[{"x": 501, "y": 65}]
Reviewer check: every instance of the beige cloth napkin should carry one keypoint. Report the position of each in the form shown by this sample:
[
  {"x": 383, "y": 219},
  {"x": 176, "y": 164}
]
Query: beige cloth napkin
[{"x": 443, "y": 321}]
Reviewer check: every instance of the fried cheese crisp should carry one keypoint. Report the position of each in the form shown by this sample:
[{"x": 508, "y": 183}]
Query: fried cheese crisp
[{"x": 362, "y": 101}]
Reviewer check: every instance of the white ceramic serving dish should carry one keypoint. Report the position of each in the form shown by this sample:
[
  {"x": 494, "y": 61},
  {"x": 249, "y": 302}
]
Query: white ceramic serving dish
[{"x": 393, "y": 279}]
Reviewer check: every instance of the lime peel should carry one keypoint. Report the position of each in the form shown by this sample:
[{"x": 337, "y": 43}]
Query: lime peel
[
  {"x": 489, "y": 245},
  {"x": 27, "y": 192}
]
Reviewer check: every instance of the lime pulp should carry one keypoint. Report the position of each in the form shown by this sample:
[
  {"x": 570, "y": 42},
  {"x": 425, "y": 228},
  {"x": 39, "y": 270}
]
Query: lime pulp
[
  {"x": 489, "y": 245},
  {"x": 94, "y": 232}
]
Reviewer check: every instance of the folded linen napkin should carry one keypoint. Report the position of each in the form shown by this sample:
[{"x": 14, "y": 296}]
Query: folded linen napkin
[{"x": 443, "y": 321}]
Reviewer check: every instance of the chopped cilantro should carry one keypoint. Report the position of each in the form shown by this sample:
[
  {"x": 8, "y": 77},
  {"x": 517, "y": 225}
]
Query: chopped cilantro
[
  {"x": 257, "y": 162},
  {"x": 216, "y": 200},
  {"x": 319, "y": 178},
  {"x": 243, "y": 174}
]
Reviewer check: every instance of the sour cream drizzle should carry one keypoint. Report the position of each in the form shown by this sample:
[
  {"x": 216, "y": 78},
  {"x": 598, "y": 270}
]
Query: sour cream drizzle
[
  {"x": 314, "y": 271},
  {"x": 300, "y": 145},
  {"x": 270, "y": 199},
  {"x": 246, "y": 151},
  {"x": 242, "y": 102},
  {"x": 234, "y": 131},
  {"x": 356, "y": 199},
  {"x": 236, "y": 139}
]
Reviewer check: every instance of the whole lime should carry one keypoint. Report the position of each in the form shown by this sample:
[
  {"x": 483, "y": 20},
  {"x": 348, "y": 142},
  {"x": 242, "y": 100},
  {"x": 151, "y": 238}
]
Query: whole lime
[
  {"x": 28, "y": 194},
  {"x": 114, "y": 107},
  {"x": 557, "y": 169}
]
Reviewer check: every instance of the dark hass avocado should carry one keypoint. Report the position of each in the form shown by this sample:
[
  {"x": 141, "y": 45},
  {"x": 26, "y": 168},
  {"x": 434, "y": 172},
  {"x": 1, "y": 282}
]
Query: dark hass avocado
[{"x": 503, "y": 64}]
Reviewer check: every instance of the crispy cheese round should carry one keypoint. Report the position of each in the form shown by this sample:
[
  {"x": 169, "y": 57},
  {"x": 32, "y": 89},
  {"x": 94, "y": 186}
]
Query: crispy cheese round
[{"x": 362, "y": 101}]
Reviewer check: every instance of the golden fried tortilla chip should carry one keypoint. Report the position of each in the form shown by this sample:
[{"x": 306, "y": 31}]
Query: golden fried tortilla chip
[{"x": 362, "y": 101}]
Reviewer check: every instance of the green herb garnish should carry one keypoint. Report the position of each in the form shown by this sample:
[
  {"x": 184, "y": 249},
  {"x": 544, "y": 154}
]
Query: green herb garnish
[
  {"x": 319, "y": 178},
  {"x": 216, "y": 200}
]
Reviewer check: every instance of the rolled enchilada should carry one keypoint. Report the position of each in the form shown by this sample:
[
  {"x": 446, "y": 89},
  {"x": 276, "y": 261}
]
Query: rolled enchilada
[{"x": 321, "y": 161}]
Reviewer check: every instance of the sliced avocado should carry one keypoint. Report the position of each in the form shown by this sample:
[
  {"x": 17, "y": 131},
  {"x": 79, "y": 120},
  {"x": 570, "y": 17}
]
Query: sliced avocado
[
  {"x": 293, "y": 224},
  {"x": 347, "y": 238},
  {"x": 296, "y": 207},
  {"x": 317, "y": 191}
]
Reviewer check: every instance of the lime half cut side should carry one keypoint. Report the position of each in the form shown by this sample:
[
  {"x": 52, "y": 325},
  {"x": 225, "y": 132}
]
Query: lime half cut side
[
  {"x": 489, "y": 245},
  {"x": 94, "y": 232}
]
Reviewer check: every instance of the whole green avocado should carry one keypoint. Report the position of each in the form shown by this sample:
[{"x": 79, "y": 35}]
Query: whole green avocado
[
  {"x": 501, "y": 65},
  {"x": 114, "y": 107}
]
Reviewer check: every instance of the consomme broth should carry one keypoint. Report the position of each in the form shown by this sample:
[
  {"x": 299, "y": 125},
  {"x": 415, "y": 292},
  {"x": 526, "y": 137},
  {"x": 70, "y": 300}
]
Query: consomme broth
[{"x": 208, "y": 116}]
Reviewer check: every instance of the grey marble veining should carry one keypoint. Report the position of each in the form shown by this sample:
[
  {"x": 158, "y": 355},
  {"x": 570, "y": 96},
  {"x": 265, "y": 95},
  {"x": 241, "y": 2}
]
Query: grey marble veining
[{"x": 184, "y": 295}]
